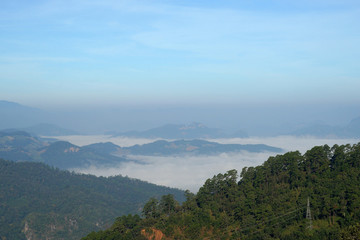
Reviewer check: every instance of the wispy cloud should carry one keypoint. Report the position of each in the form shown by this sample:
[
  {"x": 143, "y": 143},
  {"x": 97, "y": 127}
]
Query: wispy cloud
[
  {"x": 220, "y": 47},
  {"x": 13, "y": 59}
]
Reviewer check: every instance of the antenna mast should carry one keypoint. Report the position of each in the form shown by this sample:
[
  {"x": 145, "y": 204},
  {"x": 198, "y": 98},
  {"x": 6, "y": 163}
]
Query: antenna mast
[{"x": 308, "y": 213}]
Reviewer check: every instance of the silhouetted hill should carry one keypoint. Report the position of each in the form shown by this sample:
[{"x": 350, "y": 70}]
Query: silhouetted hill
[
  {"x": 351, "y": 130},
  {"x": 103, "y": 148},
  {"x": 46, "y": 129},
  {"x": 40, "y": 202},
  {"x": 177, "y": 131},
  {"x": 66, "y": 155},
  {"x": 194, "y": 147},
  {"x": 14, "y": 115},
  {"x": 319, "y": 130},
  {"x": 21, "y": 146}
]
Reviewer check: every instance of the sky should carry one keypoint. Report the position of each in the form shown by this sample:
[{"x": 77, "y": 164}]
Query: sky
[
  {"x": 82, "y": 53},
  {"x": 263, "y": 66}
]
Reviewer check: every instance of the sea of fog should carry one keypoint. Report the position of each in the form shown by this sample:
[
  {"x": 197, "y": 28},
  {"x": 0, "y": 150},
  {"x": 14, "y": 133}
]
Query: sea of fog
[{"x": 192, "y": 171}]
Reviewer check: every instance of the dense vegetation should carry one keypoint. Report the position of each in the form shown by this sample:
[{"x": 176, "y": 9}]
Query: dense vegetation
[
  {"x": 41, "y": 202},
  {"x": 269, "y": 202}
]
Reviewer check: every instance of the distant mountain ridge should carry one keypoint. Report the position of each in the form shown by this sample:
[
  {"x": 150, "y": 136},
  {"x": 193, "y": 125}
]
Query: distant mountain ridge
[
  {"x": 65, "y": 155},
  {"x": 21, "y": 146},
  {"x": 14, "y": 115},
  {"x": 177, "y": 131},
  {"x": 194, "y": 147},
  {"x": 351, "y": 130},
  {"x": 44, "y": 129},
  {"x": 40, "y": 122}
]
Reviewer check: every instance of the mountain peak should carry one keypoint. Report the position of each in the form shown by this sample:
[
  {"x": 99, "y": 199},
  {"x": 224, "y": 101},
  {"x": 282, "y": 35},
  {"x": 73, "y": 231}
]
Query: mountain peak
[
  {"x": 193, "y": 130},
  {"x": 193, "y": 125}
]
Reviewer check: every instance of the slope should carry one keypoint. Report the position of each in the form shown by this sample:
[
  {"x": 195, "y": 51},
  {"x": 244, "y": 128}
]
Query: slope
[
  {"x": 21, "y": 146},
  {"x": 41, "y": 202},
  {"x": 269, "y": 202}
]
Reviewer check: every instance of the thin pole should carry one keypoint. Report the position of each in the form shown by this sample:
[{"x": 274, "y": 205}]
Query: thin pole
[{"x": 308, "y": 213}]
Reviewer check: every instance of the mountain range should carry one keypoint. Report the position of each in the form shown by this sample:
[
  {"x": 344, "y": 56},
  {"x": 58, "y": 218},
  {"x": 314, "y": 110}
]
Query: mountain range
[
  {"x": 351, "y": 130},
  {"x": 44, "y": 129},
  {"x": 14, "y": 115},
  {"x": 193, "y": 147},
  {"x": 47, "y": 123},
  {"x": 181, "y": 131},
  {"x": 21, "y": 146}
]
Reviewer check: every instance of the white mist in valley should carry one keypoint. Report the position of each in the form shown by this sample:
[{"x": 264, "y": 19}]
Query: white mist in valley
[
  {"x": 185, "y": 172},
  {"x": 190, "y": 172}
]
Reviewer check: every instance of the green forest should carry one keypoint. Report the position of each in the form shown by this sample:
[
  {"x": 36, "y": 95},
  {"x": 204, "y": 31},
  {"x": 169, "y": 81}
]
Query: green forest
[
  {"x": 264, "y": 202},
  {"x": 41, "y": 202}
]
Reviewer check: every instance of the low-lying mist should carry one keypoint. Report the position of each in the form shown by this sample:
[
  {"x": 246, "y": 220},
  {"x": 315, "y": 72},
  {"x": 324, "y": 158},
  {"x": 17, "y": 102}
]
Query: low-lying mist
[
  {"x": 185, "y": 172},
  {"x": 190, "y": 172}
]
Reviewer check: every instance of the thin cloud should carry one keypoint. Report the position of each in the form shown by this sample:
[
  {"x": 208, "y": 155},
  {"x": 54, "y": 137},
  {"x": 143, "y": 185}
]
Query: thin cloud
[{"x": 39, "y": 59}]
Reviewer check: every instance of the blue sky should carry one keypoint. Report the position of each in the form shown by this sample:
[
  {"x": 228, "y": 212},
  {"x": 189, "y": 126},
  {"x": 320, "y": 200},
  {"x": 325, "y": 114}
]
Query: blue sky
[{"x": 102, "y": 52}]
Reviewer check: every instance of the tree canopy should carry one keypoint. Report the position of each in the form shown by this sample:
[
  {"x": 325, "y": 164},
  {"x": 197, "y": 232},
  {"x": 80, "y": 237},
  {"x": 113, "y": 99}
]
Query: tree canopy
[{"x": 265, "y": 202}]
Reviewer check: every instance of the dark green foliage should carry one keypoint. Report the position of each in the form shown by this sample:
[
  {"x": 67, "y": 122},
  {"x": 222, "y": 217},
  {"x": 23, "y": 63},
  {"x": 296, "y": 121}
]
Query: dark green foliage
[
  {"x": 125, "y": 227},
  {"x": 269, "y": 201},
  {"x": 58, "y": 204},
  {"x": 151, "y": 209},
  {"x": 351, "y": 232}
]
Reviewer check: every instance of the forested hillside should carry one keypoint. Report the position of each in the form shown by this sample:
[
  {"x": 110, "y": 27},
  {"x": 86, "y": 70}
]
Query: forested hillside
[
  {"x": 268, "y": 202},
  {"x": 41, "y": 202}
]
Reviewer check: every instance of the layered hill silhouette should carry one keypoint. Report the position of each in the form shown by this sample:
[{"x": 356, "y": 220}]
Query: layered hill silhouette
[
  {"x": 14, "y": 115},
  {"x": 46, "y": 129},
  {"x": 21, "y": 146},
  {"x": 182, "y": 131},
  {"x": 45, "y": 123},
  {"x": 351, "y": 130},
  {"x": 194, "y": 147}
]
